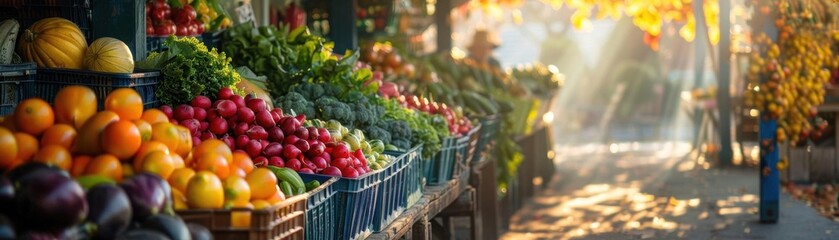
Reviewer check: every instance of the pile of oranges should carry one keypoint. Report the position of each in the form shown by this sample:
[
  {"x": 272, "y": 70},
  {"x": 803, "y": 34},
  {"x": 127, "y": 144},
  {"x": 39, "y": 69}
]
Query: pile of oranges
[{"x": 123, "y": 139}]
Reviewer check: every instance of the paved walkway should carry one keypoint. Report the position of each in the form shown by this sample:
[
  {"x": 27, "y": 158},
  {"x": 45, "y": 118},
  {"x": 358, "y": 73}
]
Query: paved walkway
[{"x": 651, "y": 191}]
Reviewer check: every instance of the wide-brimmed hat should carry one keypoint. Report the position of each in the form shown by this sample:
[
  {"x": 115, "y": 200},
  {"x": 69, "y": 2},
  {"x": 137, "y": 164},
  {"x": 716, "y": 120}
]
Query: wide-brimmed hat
[{"x": 484, "y": 38}]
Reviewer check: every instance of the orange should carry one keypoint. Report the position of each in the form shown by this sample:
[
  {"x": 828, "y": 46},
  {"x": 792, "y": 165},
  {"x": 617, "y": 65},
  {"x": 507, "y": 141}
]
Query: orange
[
  {"x": 188, "y": 161},
  {"x": 179, "y": 200},
  {"x": 127, "y": 170},
  {"x": 9, "y": 123},
  {"x": 154, "y": 115},
  {"x": 235, "y": 171},
  {"x": 242, "y": 161},
  {"x": 60, "y": 134},
  {"x": 278, "y": 197},
  {"x": 54, "y": 155},
  {"x": 8, "y": 148},
  {"x": 146, "y": 148},
  {"x": 122, "y": 139},
  {"x": 263, "y": 183},
  {"x": 241, "y": 219},
  {"x": 73, "y": 105},
  {"x": 180, "y": 177},
  {"x": 158, "y": 163},
  {"x": 34, "y": 116},
  {"x": 185, "y": 145},
  {"x": 88, "y": 140},
  {"x": 105, "y": 165},
  {"x": 205, "y": 190},
  {"x": 79, "y": 165},
  {"x": 126, "y": 103},
  {"x": 236, "y": 190},
  {"x": 27, "y": 146},
  {"x": 145, "y": 129},
  {"x": 260, "y": 204},
  {"x": 212, "y": 146},
  {"x": 166, "y": 133},
  {"x": 214, "y": 163},
  {"x": 177, "y": 161}
]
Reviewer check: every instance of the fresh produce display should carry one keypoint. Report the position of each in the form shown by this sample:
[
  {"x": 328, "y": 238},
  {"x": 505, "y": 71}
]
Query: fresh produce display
[
  {"x": 540, "y": 79},
  {"x": 189, "y": 70},
  {"x": 9, "y": 30},
  {"x": 210, "y": 13},
  {"x": 370, "y": 150},
  {"x": 382, "y": 57},
  {"x": 53, "y": 43},
  {"x": 163, "y": 20}
]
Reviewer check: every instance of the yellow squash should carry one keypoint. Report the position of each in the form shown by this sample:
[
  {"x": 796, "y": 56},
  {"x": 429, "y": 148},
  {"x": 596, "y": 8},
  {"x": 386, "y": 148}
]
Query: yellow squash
[{"x": 53, "y": 43}]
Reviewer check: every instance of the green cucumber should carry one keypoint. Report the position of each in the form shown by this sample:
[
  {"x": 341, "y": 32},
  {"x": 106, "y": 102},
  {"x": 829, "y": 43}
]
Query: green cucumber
[
  {"x": 290, "y": 176},
  {"x": 311, "y": 185},
  {"x": 286, "y": 188}
]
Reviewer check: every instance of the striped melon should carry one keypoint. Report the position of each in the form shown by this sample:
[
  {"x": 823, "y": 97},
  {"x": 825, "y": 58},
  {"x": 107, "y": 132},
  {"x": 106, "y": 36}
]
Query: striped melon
[{"x": 109, "y": 55}]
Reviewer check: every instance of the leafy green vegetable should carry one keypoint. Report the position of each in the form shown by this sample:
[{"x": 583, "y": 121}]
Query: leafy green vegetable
[{"x": 189, "y": 70}]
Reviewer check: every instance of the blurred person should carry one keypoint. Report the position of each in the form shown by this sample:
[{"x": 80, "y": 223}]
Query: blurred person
[{"x": 481, "y": 49}]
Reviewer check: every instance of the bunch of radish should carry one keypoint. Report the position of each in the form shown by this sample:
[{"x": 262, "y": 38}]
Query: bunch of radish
[{"x": 266, "y": 135}]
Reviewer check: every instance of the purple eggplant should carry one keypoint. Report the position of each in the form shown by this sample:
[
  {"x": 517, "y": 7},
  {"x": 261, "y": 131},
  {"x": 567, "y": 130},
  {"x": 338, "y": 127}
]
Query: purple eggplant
[
  {"x": 171, "y": 226},
  {"x": 110, "y": 211},
  {"x": 47, "y": 200},
  {"x": 199, "y": 232},
  {"x": 7, "y": 195},
  {"x": 142, "y": 234},
  {"x": 147, "y": 195},
  {"x": 25, "y": 169}
]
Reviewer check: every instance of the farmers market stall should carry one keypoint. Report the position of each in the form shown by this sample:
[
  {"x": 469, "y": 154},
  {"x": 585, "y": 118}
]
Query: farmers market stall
[{"x": 202, "y": 125}]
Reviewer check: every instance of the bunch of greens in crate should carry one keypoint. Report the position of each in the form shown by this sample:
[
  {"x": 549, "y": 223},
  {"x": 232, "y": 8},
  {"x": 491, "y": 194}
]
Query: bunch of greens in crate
[{"x": 189, "y": 69}]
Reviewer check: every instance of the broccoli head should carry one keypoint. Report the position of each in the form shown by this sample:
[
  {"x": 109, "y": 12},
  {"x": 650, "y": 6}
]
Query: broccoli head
[
  {"x": 375, "y": 132},
  {"x": 399, "y": 130},
  {"x": 331, "y": 109},
  {"x": 295, "y": 102},
  {"x": 308, "y": 90},
  {"x": 401, "y": 144}
]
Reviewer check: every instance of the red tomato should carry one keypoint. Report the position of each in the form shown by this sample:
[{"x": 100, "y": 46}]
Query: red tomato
[
  {"x": 192, "y": 30},
  {"x": 182, "y": 30},
  {"x": 199, "y": 27}
]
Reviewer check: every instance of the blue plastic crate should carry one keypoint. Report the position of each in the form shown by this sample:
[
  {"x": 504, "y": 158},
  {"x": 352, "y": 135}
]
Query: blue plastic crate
[
  {"x": 354, "y": 204},
  {"x": 400, "y": 189},
  {"x": 49, "y": 81},
  {"x": 17, "y": 82},
  {"x": 441, "y": 167},
  {"x": 413, "y": 181},
  {"x": 30, "y": 11},
  {"x": 486, "y": 137},
  {"x": 321, "y": 211},
  {"x": 210, "y": 39},
  {"x": 471, "y": 149}
]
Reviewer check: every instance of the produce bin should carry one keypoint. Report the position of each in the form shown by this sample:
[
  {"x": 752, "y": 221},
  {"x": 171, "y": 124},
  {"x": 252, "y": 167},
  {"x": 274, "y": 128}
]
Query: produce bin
[
  {"x": 354, "y": 201},
  {"x": 441, "y": 167},
  {"x": 486, "y": 136},
  {"x": 17, "y": 82},
  {"x": 321, "y": 211},
  {"x": 469, "y": 142},
  {"x": 50, "y": 80},
  {"x": 413, "y": 183},
  {"x": 30, "y": 11},
  {"x": 399, "y": 182},
  {"x": 283, "y": 221}
]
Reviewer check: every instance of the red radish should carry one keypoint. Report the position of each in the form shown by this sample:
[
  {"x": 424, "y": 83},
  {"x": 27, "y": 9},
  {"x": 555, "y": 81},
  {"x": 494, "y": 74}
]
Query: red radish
[
  {"x": 191, "y": 124},
  {"x": 200, "y": 114},
  {"x": 196, "y": 140},
  {"x": 241, "y": 129},
  {"x": 273, "y": 150},
  {"x": 225, "y": 93},
  {"x": 226, "y": 108},
  {"x": 290, "y": 139},
  {"x": 290, "y": 152},
  {"x": 257, "y": 132},
  {"x": 201, "y": 102},
  {"x": 183, "y": 112},
  {"x": 300, "y": 118},
  {"x": 245, "y": 115},
  {"x": 356, "y": 162},
  {"x": 320, "y": 162},
  {"x": 264, "y": 118},
  {"x": 341, "y": 151},
  {"x": 256, "y": 104},
  {"x": 275, "y": 134},
  {"x": 290, "y": 125},
  {"x": 358, "y": 154},
  {"x": 212, "y": 114},
  {"x": 323, "y": 135},
  {"x": 173, "y": 121},
  {"x": 276, "y": 161},
  {"x": 332, "y": 171},
  {"x": 315, "y": 150},
  {"x": 218, "y": 126},
  {"x": 294, "y": 164},
  {"x": 303, "y": 145},
  {"x": 239, "y": 101},
  {"x": 309, "y": 164},
  {"x": 302, "y": 133},
  {"x": 306, "y": 170},
  {"x": 314, "y": 134},
  {"x": 242, "y": 141},
  {"x": 360, "y": 171},
  {"x": 253, "y": 148},
  {"x": 277, "y": 113},
  {"x": 232, "y": 122},
  {"x": 340, "y": 163},
  {"x": 264, "y": 144},
  {"x": 207, "y": 135},
  {"x": 249, "y": 96},
  {"x": 260, "y": 161},
  {"x": 166, "y": 109},
  {"x": 349, "y": 172},
  {"x": 229, "y": 141},
  {"x": 325, "y": 155}
]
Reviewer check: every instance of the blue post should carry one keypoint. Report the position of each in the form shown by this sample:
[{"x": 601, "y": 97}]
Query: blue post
[{"x": 770, "y": 180}]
